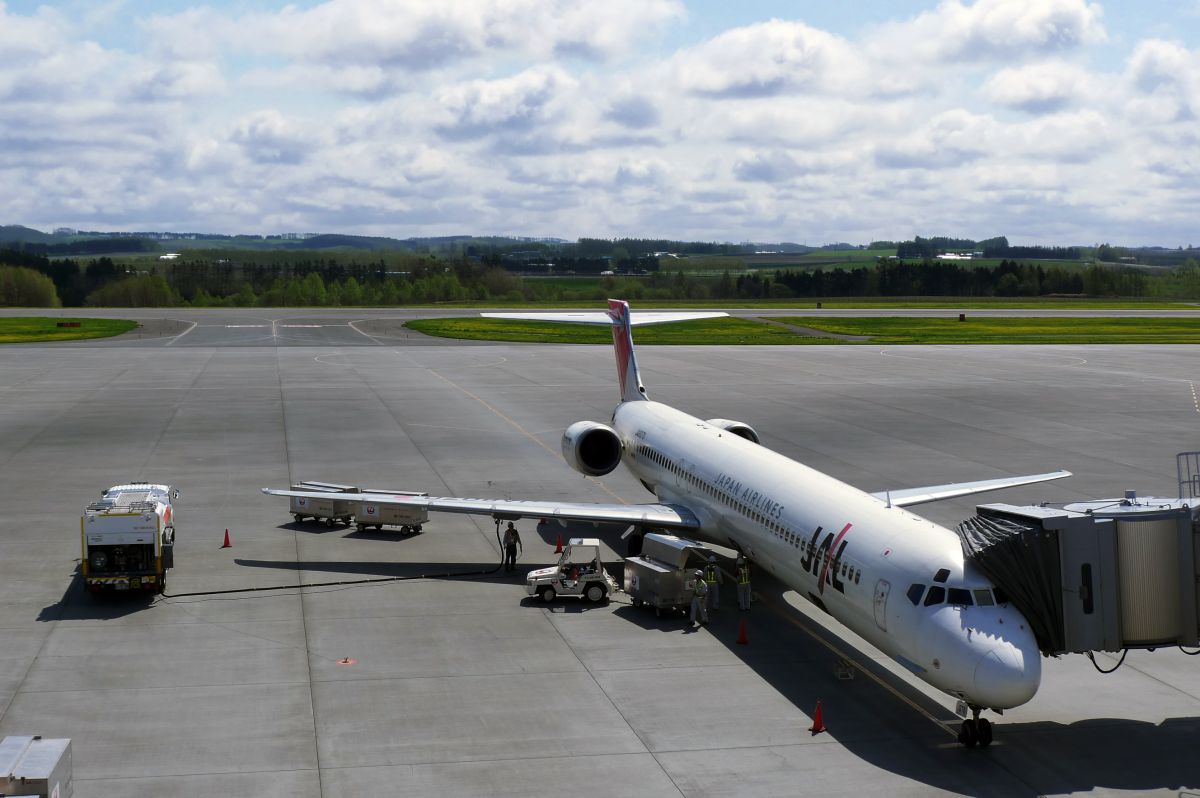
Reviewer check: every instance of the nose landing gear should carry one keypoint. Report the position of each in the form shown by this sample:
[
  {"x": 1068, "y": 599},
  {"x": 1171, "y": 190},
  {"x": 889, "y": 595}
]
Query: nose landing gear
[{"x": 975, "y": 731}]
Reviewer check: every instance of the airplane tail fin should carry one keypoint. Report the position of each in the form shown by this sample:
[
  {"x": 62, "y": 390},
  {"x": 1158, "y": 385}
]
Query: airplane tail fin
[{"x": 627, "y": 368}]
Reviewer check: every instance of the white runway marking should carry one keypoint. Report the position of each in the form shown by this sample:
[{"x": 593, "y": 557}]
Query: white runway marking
[
  {"x": 185, "y": 332},
  {"x": 1195, "y": 401},
  {"x": 353, "y": 326},
  {"x": 239, "y": 326}
]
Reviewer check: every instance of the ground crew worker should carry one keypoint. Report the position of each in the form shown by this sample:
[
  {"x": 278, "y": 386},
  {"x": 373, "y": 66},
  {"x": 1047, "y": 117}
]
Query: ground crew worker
[
  {"x": 743, "y": 583},
  {"x": 512, "y": 540},
  {"x": 699, "y": 592},
  {"x": 712, "y": 575}
]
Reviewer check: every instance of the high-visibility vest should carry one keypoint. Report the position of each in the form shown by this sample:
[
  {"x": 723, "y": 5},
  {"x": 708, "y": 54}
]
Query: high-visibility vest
[
  {"x": 710, "y": 574},
  {"x": 743, "y": 574},
  {"x": 701, "y": 588}
]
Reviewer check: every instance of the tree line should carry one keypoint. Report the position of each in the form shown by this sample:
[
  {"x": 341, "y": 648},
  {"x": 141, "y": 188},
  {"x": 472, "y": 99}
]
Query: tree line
[
  {"x": 351, "y": 279},
  {"x": 997, "y": 247}
]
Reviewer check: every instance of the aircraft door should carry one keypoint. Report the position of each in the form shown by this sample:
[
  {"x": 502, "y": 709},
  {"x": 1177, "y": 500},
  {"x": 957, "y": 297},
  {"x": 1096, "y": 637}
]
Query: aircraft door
[{"x": 881, "y": 596}]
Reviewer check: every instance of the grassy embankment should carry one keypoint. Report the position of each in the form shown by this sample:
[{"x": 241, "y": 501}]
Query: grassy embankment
[
  {"x": 25, "y": 330},
  {"x": 977, "y": 303},
  {"x": 739, "y": 331},
  {"x": 1009, "y": 330},
  {"x": 702, "y": 331}
]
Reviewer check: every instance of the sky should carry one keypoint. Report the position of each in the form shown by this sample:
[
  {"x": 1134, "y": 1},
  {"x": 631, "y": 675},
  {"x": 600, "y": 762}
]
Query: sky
[{"x": 1048, "y": 121}]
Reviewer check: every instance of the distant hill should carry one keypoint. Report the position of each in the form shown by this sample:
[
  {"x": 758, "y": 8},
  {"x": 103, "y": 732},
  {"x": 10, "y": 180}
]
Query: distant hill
[
  {"x": 16, "y": 232},
  {"x": 336, "y": 240}
]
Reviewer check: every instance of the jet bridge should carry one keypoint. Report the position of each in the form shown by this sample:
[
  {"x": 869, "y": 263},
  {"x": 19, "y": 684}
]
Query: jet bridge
[{"x": 1104, "y": 575}]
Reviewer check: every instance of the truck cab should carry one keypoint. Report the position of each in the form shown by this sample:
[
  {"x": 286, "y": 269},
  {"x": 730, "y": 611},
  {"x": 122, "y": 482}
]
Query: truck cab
[
  {"x": 128, "y": 538},
  {"x": 578, "y": 572}
]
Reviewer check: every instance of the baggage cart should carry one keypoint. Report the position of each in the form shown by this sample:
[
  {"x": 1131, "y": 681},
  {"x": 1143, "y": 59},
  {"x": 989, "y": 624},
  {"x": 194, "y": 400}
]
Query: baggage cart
[
  {"x": 33, "y": 766},
  {"x": 330, "y": 511},
  {"x": 660, "y": 577},
  {"x": 409, "y": 519}
]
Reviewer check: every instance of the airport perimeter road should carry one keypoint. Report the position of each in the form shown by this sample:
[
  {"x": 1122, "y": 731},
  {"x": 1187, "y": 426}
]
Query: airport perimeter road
[{"x": 460, "y": 685}]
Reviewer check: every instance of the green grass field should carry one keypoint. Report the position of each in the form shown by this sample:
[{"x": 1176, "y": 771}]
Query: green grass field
[
  {"x": 1009, "y": 331},
  {"x": 22, "y": 330},
  {"x": 703, "y": 331},
  {"x": 737, "y": 331},
  {"x": 1010, "y": 303}
]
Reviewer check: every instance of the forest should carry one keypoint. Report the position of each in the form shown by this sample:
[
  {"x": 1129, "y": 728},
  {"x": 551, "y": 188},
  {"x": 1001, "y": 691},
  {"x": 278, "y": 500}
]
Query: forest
[{"x": 390, "y": 279}]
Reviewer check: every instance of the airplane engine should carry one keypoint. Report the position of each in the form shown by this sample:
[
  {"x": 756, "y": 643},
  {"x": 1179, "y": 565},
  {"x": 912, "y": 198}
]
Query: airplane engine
[
  {"x": 738, "y": 428},
  {"x": 591, "y": 448}
]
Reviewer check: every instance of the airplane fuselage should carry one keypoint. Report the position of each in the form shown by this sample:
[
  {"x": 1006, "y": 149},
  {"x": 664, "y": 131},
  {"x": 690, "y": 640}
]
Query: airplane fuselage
[{"x": 894, "y": 578}]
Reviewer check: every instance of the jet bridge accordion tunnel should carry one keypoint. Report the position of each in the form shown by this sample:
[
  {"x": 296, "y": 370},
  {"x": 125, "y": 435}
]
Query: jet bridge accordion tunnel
[{"x": 1105, "y": 575}]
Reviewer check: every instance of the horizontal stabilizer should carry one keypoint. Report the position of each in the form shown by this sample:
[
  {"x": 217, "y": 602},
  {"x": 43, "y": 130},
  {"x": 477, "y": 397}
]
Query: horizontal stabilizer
[
  {"x": 932, "y": 493},
  {"x": 635, "y": 319},
  {"x": 664, "y": 515}
]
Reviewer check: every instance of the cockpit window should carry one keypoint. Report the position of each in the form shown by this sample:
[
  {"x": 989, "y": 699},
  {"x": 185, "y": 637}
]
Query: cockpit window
[
  {"x": 936, "y": 595},
  {"x": 942, "y": 575},
  {"x": 1001, "y": 596},
  {"x": 984, "y": 598},
  {"x": 914, "y": 594},
  {"x": 959, "y": 596}
]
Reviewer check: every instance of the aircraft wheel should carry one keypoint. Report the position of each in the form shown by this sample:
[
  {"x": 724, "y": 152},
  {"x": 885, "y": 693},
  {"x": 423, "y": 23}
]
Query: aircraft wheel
[
  {"x": 299, "y": 518},
  {"x": 985, "y": 732},
  {"x": 548, "y": 594},
  {"x": 968, "y": 733},
  {"x": 595, "y": 593}
]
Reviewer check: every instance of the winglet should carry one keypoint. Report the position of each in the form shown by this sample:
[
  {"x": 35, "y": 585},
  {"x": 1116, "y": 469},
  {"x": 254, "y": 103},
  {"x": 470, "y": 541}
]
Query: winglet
[{"x": 627, "y": 368}]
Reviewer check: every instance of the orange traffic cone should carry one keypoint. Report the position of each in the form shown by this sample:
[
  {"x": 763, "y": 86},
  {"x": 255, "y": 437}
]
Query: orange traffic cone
[
  {"x": 818, "y": 724},
  {"x": 742, "y": 638},
  {"x": 226, "y": 544},
  {"x": 558, "y": 545}
]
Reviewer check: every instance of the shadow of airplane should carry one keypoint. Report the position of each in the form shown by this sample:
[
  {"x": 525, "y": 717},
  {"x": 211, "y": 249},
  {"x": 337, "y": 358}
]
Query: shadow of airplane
[{"x": 879, "y": 718}]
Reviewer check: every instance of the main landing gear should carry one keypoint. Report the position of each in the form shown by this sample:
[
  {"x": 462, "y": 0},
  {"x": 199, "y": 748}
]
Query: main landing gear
[{"x": 975, "y": 730}]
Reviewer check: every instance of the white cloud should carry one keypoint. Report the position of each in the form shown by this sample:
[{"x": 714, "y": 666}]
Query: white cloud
[
  {"x": 563, "y": 117},
  {"x": 947, "y": 141},
  {"x": 1040, "y": 88},
  {"x": 415, "y": 36},
  {"x": 504, "y": 107},
  {"x": 1165, "y": 79},
  {"x": 994, "y": 29},
  {"x": 769, "y": 59},
  {"x": 269, "y": 137}
]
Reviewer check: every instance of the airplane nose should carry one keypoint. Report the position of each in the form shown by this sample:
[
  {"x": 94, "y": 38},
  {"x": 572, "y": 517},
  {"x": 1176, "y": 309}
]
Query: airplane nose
[{"x": 1007, "y": 676}]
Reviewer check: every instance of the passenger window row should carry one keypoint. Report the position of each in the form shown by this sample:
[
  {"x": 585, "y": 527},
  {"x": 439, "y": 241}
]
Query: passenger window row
[{"x": 779, "y": 530}]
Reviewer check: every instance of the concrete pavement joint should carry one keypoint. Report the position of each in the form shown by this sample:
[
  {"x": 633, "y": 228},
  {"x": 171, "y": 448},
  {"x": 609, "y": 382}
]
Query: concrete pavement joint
[{"x": 612, "y": 702}]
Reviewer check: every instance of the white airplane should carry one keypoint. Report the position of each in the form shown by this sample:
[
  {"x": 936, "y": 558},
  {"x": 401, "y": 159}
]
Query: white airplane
[{"x": 894, "y": 578}]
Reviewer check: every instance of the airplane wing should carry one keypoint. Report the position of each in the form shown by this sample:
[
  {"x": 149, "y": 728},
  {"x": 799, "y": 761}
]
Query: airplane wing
[
  {"x": 663, "y": 515},
  {"x": 933, "y": 493},
  {"x": 635, "y": 319}
]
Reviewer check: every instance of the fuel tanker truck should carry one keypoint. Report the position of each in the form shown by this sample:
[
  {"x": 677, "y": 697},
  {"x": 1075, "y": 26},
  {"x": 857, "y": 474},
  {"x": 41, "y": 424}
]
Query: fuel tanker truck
[{"x": 128, "y": 538}]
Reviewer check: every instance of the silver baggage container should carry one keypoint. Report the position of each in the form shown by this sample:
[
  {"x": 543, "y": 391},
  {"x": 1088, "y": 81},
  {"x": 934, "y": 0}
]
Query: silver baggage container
[
  {"x": 661, "y": 576},
  {"x": 12, "y": 748},
  {"x": 43, "y": 768},
  {"x": 409, "y": 519},
  {"x": 330, "y": 511}
]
